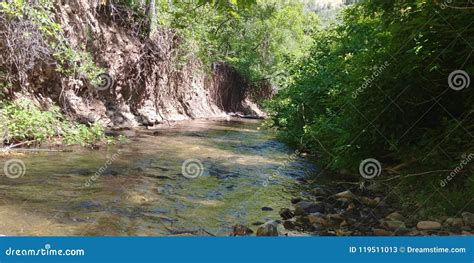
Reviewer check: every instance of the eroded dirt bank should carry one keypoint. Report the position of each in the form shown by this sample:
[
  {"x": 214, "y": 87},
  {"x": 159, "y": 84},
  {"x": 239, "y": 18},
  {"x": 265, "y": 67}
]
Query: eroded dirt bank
[{"x": 148, "y": 82}]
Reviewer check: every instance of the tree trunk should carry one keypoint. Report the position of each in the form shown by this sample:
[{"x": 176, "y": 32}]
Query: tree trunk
[{"x": 152, "y": 16}]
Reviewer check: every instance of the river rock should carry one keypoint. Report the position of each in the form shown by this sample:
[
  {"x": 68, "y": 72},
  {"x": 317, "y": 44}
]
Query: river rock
[
  {"x": 295, "y": 200},
  {"x": 455, "y": 222},
  {"x": 346, "y": 194},
  {"x": 307, "y": 207},
  {"x": 241, "y": 230},
  {"x": 341, "y": 203},
  {"x": 342, "y": 232},
  {"x": 381, "y": 232},
  {"x": 317, "y": 219},
  {"x": 344, "y": 223},
  {"x": 286, "y": 213},
  {"x": 428, "y": 225},
  {"x": 268, "y": 229},
  {"x": 468, "y": 219},
  {"x": 319, "y": 191},
  {"x": 289, "y": 224},
  {"x": 395, "y": 225},
  {"x": 395, "y": 216},
  {"x": 301, "y": 220},
  {"x": 368, "y": 201}
]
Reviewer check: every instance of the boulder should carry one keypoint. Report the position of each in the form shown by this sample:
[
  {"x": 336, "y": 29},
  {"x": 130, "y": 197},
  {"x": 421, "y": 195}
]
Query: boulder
[{"x": 428, "y": 225}]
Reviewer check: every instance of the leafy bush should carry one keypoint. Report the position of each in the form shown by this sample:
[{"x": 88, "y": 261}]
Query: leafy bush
[
  {"x": 376, "y": 86},
  {"x": 26, "y": 122},
  {"x": 40, "y": 28}
]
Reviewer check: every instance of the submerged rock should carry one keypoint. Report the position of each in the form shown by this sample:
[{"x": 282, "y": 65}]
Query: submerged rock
[
  {"x": 307, "y": 207},
  {"x": 268, "y": 229},
  {"x": 289, "y": 224},
  {"x": 241, "y": 230},
  {"x": 286, "y": 213},
  {"x": 295, "y": 200}
]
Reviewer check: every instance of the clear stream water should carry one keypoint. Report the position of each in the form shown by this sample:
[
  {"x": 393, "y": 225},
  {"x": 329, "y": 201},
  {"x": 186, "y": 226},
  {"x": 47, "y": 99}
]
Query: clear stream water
[{"x": 140, "y": 189}]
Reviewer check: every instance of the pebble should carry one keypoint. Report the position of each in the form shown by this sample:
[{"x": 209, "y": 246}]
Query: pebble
[
  {"x": 381, "y": 232},
  {"x": 468, "y": 218},
  {"x": 395, "y": 216},
  {"x": 456, "y": 222},
  {"x": 346, "y": 195},
  {"x": 395, "y": 225},
  {"x": 428, "y": 225}
]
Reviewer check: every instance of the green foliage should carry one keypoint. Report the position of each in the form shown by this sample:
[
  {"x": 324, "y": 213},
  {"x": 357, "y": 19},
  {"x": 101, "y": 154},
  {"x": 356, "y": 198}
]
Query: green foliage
[
  {"x": 376, "y": 86},
  {"x": 26, "y": 122},
  {"x": 258, "y": 38},
  {"x": 69, "y": 60}
]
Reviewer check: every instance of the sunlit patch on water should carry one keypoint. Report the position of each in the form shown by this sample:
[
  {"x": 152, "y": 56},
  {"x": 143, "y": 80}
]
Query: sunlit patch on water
[{"x": 142, "y": 190}]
